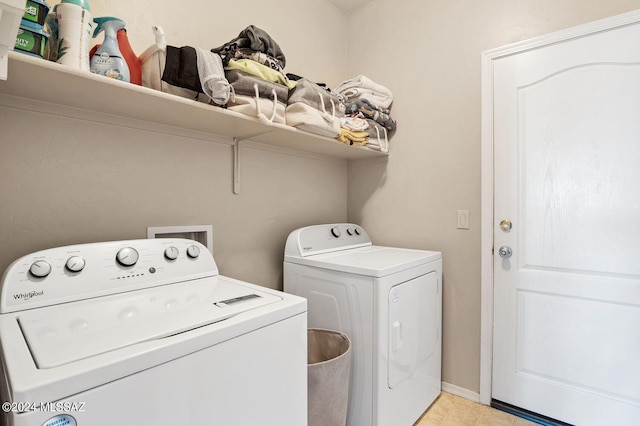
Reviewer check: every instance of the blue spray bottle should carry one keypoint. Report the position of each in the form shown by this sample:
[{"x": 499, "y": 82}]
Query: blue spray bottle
[{"x": 108, "y": 60}]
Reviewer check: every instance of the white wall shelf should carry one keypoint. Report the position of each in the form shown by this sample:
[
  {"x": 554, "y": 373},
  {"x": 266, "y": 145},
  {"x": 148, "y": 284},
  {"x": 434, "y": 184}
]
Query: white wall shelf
[{"x": 40, "y": 80}]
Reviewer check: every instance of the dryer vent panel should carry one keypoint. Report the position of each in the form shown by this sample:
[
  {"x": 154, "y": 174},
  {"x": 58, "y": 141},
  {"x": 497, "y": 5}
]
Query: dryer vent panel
[{"x": 200, "y": 233}]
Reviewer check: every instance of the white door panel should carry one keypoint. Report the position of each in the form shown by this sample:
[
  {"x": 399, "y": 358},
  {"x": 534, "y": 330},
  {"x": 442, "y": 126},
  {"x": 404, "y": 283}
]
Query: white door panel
[
  {"x": 413, "y": 326},
  {"x": 582, "y": 327},
  {"x": 567, "y": 175},
  {"x": 579, "y": 154}
]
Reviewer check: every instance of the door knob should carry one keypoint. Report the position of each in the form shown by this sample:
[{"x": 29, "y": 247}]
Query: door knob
[
  {"x": 506, "y": 225},
  {"x": 505, "y": 252}
]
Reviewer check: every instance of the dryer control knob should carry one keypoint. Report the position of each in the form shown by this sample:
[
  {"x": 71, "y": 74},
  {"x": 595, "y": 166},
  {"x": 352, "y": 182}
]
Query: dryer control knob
[
  {"x": 335, "y": 231},
  {"x": 193, "y": 252},
  {"x": 75, "y": 264},
  {"x": 127, "y": 256},
  {"x": 171, "y": 253},
  {"x": 349, "y": 231},
  {"x": 40, "y": 268},
  {"x": 357, "y": 231}
]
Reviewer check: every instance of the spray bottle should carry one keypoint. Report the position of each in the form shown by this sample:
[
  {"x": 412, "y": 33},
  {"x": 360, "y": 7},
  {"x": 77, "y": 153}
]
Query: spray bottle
[
  {"x": 132, "y": 60},
  {"x": 108, "y": 60}
]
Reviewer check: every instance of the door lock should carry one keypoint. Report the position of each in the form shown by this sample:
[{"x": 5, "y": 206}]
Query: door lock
[
  {"x": 506, "y": 225},
  {"x": 505, "y": 252}
]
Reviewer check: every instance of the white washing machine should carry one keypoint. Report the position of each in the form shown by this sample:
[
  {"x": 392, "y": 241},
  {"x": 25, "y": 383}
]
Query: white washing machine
[
  {"x": 146, "y": 332},
  {"x": 388, "y": 301}
]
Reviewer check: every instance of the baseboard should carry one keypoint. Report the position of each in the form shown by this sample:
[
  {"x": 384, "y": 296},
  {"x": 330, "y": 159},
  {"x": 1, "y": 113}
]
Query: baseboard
[{"x": 461, "y": 392}]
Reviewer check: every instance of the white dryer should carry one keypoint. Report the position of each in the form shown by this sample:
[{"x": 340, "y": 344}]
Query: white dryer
[
  {"x": 146, "y": 332},
  {"x": 388, "y": 301}
]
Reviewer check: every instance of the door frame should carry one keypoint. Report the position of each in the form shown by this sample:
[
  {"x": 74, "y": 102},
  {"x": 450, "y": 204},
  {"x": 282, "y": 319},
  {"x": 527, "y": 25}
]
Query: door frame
[{"x": 487, "y": 174}]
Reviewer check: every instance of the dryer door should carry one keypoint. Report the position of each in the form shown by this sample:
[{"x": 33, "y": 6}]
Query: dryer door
[{"x": 413, "y": 326}]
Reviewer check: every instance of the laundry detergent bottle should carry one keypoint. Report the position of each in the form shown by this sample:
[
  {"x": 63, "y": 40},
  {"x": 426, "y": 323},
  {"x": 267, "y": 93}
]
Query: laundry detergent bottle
[
  {"x": 108, "y": 60},
  {"x": 130, "y": 57}
]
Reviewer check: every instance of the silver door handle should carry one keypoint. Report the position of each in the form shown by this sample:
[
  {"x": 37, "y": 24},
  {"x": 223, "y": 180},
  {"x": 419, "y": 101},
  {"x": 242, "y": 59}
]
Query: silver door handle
[{"x": 505, "y": 252}]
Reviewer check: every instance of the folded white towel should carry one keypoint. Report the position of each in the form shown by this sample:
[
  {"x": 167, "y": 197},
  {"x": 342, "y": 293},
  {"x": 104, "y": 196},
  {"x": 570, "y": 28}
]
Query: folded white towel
[
  {"x": 355, "y": 124},
  {"x": 362, "y": 87}
]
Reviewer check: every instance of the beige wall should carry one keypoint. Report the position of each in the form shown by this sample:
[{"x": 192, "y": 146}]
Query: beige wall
[
  {"x": 428, "y": 53},
  {"x": 66, "y": 181},
  {"x": 307, "y": 31}
]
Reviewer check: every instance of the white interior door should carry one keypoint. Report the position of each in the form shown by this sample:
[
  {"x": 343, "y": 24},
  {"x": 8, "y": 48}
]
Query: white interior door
[{"x": 566, "y": 340}]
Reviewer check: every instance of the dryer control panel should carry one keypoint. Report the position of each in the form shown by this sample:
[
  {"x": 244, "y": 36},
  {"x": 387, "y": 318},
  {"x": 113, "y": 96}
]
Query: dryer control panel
[
  {"x": 320, "y": 239},
  {"x": 83, "y": 271}
]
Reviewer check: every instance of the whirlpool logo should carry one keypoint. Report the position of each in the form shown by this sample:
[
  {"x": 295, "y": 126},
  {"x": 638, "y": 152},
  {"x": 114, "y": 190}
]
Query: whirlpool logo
[{"x": 27, "y": 296}]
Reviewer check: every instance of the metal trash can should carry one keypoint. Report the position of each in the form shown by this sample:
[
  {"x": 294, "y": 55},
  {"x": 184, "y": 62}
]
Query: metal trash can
[{"x": 328, "y": 371}]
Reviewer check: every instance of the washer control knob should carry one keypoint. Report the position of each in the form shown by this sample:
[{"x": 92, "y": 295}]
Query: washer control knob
[
  {"x": 75, "y": 264},
  {"x": 193, "y": 251},
  {"x": 357, "y": 231},
  {"x": 127, "y": 256},
  {"x": 171, "y": 253},
  {"x": 350, "y": 231},
  {"x": 335, "y": 231},
  {"x": 40, "y": 268}
]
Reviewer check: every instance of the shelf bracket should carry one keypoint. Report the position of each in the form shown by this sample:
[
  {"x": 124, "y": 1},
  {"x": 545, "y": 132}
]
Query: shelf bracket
[
  {"x": 236, "y": 165},
  {"x": 236, "y": 159}
]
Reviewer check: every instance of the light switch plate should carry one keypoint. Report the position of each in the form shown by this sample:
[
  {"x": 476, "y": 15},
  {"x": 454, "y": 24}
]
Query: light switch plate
[{"x": 463, "y": 219}]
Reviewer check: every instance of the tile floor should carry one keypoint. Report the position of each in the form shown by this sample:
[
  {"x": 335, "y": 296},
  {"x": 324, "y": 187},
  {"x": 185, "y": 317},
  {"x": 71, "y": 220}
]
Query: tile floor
[{"x": 451, "y": 410}]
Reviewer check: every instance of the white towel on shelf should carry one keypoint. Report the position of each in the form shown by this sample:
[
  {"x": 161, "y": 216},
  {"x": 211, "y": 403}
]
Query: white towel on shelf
[
  {"x": 362, "y": 87},
  {"x": 356, "y": 124}
]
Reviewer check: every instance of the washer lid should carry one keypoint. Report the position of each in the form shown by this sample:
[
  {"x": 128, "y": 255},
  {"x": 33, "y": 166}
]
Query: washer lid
[
  {"x": 66, "y": 333},
  {"x": 374, "y": 261}
]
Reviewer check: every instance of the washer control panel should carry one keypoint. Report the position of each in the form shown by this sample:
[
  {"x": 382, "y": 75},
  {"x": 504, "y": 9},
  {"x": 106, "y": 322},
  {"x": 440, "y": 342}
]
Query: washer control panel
[
  {"x": 320, "y": 239},
  {"x": 83, "y": 271}
]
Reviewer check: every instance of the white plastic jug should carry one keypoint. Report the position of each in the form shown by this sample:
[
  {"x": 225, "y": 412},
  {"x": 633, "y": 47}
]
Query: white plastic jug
[{"x": 153, "y": 60}]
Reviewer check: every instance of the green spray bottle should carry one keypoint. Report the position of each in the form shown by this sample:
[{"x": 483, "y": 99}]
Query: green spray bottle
[{"x": 108, "y": 60}]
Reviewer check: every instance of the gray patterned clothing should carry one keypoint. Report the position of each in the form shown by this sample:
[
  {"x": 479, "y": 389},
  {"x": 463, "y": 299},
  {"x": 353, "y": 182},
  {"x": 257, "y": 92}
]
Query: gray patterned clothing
[
  {"x": 255, "y": 39},
  {"x": 368, "y": 110}
]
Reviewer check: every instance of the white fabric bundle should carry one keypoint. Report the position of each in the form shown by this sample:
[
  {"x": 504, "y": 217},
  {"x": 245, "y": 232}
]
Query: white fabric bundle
[
  {"x": 313, "y": 109},
  {"x": 267, "y": 110},
  {"x": 356, "y": 124},
  {"x": 362, "y": 87},
  {"x": 211, "y": 73},
  {"x": 305, "y": 117}
]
